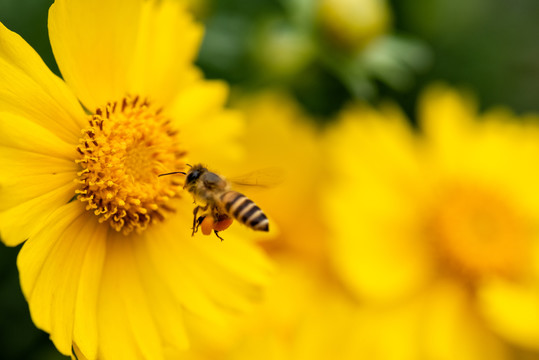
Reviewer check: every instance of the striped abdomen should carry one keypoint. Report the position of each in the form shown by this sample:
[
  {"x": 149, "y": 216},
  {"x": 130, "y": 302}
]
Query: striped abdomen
[{"x": 244, "y": 210}]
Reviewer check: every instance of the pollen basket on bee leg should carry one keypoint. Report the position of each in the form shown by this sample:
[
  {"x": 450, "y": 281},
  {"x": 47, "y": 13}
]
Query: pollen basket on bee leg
[{"x": 207, "y": 225}]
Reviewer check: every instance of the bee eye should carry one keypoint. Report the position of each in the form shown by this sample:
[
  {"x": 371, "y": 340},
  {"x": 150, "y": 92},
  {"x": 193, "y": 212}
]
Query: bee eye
[{"x": 193, "y": 176}]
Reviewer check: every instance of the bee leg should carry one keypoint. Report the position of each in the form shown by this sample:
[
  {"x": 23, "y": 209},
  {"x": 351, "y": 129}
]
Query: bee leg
[
  {"x": 195, "y": 226},
  {"x": 197, "y": 220},
  {"x": 216, "y": 234}
]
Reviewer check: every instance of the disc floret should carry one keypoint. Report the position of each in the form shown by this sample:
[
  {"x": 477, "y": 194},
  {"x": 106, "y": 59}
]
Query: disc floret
[
  {"x": 126, "y": 146},
  {"x": 480, "y": 233}
]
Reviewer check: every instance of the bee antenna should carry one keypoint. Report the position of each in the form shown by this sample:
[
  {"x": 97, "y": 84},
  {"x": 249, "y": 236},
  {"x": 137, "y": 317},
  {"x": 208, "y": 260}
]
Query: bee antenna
[
  {"x": 172, "y": 173},
  {"x": 189, "y": 165}
]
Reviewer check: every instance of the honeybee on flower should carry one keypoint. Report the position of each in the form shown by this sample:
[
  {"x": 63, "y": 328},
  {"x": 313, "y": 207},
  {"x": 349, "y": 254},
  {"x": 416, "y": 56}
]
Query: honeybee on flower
[{"x": 105, "y": 266}]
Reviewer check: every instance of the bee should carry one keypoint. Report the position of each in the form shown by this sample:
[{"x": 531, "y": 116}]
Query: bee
[{"x": 219, "y": 204}]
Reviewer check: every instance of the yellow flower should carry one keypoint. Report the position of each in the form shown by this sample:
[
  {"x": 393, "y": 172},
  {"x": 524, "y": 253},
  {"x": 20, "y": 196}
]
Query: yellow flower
[
  {"x": 445, "y": 218},
  {"x": 109, "y": 265},
  {"x": 280, "y": 137}
]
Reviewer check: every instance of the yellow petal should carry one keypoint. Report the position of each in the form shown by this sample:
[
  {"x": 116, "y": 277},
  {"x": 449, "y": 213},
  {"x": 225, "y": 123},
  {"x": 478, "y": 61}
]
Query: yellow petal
[
  {"x": 204, "y": 124},
  {"x": 512, "y": 311},
  {"x": 78, "y": 247},
  {"x": 385, "y": 334},
  {"x": 15, "y": 163},
  {"x": 85, "y": 328},
  {"x": 163, "y": 246},
  {"x": 439, "y": 323},
  {"x": 21, "y": 133},
  {"x": 29, "y": 89},
  {"x": 20, "y": 221},
  {"x": 203, "y": 98},
  {"x": 167, "y": 45},
  {"x": 115, "y": 335},
  {"x": 37, "y": 175},
  {"x": 453, "y": 329},
  {"x": 126, "y": 324},
  {"x": 93, "y": 43},
  {"x": 219, "y": 131},
  {"x": 106, "y": 49},
  {"x": 371, "y": 206},
  {"x": 205, "y": 274},
  {"x": 49, "y": 267},
  {"x": 25, "y": 188},
  {"x": 230, "y": 290},
  {"x": 167, "y": 311},
  {"x": 447, "y": 118},
  {"x": 373, "y": 259},
  {"x": 238, "y": 260}
]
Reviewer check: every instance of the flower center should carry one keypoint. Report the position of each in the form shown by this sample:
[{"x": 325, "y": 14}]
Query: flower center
[
  {"x": 128, "y": 144},
  {"x": 479, "y": 233}
]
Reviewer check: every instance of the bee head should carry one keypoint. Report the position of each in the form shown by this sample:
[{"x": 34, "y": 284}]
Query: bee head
[{"x": 193, "y": 175}]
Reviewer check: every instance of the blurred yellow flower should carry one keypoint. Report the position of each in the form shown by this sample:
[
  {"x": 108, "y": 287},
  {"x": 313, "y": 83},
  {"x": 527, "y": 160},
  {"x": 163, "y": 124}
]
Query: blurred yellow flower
[
  {"x": 281, "y": 137},
  {"x": 306, "y": 315},
  {"x": 109, "y": 265},
  {"x": 446, "y": 218}
]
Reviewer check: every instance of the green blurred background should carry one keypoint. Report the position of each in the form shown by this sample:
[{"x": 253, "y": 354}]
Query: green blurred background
[{"x": 489, "y": 47}]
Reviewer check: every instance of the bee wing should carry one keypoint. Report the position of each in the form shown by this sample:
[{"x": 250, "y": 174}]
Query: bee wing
[
  {"x": 262, "y": 178},
  {"x": 212, "y": 180}
]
